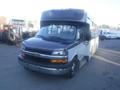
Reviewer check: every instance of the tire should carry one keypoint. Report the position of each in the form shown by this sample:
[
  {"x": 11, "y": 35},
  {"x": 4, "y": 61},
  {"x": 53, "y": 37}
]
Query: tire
[
  {"x": 73, "y": 70},
  {"x": 11, "y": 38},
  {"x": 28, "y": 69}
]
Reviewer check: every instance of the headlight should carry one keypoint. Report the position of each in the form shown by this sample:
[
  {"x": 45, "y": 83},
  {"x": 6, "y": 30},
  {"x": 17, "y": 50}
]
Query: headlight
[
  {"x": 59, "y": 52},
  {"x": 22, "y": 47}
]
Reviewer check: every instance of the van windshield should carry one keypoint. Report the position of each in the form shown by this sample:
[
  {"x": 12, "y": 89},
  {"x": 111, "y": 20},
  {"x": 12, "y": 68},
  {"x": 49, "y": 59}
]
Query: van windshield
[{"x": 58, "y": 33}]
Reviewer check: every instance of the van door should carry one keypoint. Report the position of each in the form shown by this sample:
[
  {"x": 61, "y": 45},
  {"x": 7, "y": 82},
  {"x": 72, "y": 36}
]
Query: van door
[{"x": 80, "y": 47}]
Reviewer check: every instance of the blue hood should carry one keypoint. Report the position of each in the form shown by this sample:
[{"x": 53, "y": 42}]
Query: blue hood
[{"x": 43, "y": 44}]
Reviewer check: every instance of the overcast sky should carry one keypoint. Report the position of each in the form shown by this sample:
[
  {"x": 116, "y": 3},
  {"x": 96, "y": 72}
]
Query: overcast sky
[{"x": 101, "y": 11}]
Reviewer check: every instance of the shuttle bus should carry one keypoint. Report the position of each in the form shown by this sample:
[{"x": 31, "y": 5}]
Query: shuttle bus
[{"x": 67, "y": 39}]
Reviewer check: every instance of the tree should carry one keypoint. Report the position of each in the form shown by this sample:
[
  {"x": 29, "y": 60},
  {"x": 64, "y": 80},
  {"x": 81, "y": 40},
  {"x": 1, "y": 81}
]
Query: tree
[{"x": 104, "y": 26}]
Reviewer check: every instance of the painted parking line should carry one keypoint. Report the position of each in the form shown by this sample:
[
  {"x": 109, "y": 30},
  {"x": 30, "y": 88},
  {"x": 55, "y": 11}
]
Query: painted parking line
[
  {"x": 108, "y": 50},
  {"x": 105, "y": 52},
  {"x": 106, "y": 60}
]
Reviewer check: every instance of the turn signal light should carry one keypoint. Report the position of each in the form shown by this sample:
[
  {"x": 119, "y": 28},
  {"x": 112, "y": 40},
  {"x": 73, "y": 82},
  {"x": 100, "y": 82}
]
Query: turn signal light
[{"x": 58, "y": 61}]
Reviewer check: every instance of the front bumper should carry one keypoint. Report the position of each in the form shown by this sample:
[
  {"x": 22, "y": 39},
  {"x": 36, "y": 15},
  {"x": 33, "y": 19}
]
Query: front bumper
[{"x": 45, "y": 69}]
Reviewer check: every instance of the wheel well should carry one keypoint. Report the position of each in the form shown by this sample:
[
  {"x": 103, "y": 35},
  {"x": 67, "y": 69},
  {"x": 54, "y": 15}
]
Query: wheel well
[{"x": 75, "y": 58}]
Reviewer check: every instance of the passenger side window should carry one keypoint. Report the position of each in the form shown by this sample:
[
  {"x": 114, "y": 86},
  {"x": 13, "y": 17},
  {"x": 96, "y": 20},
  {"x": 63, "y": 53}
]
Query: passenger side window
[
  {"x": 80, "y": 34},
  {"x": 85, "y": 33}
]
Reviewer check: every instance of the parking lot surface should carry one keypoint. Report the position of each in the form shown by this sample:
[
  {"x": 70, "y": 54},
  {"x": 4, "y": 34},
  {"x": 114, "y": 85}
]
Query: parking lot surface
[{"x": 101, "y": 73}]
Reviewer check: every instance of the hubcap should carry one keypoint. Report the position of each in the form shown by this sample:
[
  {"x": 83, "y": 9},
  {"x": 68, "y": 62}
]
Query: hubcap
[{"x": 73, "y": 68}]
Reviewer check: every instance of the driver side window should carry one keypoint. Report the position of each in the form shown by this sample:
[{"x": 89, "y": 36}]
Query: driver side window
[{"x": 80, "y": 34}]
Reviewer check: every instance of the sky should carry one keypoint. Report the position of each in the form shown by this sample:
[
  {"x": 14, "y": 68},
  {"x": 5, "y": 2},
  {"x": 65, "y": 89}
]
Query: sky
[{"x": 101, "y": 11}]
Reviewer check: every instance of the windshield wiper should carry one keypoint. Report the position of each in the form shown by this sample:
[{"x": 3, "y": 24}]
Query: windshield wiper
[
  {"x": 55, "y": 38},
  {"x": 59, "y": 39}
]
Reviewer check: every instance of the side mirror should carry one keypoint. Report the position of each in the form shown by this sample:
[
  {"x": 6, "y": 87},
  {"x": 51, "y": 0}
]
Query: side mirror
[
  {"x": 78, "y": 36},
  {"x": 87, "y": 36},
  {"x": 87, "y": 33}
]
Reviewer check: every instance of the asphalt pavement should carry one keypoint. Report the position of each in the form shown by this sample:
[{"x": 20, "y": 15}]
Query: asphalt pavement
[{"x": 101, "y": 73}]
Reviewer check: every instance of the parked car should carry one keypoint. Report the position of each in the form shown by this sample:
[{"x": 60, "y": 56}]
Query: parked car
[
  {"x": 118, "y": 35},
  {"x": 110, "y": 35}
]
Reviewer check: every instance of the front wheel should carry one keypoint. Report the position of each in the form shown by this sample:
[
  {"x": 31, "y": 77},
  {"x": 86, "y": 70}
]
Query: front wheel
[{"x": 73, "y": 69}]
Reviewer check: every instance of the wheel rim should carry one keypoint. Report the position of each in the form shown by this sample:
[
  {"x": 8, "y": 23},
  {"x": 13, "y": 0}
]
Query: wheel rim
[{"x": 73, "y": 69}]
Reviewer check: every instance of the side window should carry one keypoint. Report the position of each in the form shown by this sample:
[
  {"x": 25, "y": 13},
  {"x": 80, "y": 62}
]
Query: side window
[
  {"x": 86, "y": 34},
  {"x": 83, "y": 33},
  {"x": 83, "y": 30},
  {"x": 90, "y": 23},
  {"x": 92, "y": 28},
  {"x": 80, "y": 34}
]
